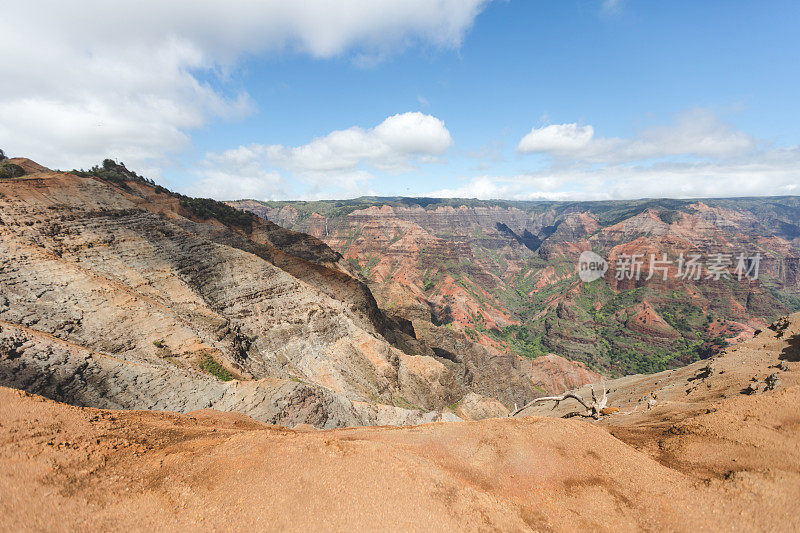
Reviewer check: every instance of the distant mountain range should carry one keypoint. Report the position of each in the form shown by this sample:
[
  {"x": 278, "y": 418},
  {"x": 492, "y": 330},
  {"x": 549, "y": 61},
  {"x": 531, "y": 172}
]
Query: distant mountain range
[{"x": 505, "y": 273}]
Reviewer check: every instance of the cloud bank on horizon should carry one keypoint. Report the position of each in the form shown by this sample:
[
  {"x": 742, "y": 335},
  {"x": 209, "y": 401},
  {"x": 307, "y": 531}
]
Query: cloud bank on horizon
[
  {"x": 142, "y": 82},
  {"x": 698, "y": 155}
]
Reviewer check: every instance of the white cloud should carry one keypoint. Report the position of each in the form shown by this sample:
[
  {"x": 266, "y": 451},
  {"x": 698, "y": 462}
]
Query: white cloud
[
  {"x": 698, "y": 133},
  {"x": 237, "y": 174},
  {"x": 522, "y": 187},
  {"x": 770, "y": 172},
  {"x": 557, "y": 139},
  {"x": 414, "y": 133},
  {"x": 697, "y": 155},
  {"x": 393, "y": 145},
  {"x": 334, "y": 162},
  {"x": 94, "y": 78}
]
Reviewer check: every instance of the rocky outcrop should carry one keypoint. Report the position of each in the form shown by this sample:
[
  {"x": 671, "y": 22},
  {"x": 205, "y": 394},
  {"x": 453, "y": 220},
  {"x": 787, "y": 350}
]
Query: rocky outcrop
[
  {"x": 644, "y": 319},
  {"x": 45, "y": 365}
]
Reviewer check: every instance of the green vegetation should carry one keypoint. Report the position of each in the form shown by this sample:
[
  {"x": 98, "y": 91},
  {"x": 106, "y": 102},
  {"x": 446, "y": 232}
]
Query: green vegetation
[
  {"x": 430, "y": 279},
  {"x": 159, "y": 344},
  {"x": 789, "y": 300},
  {"x": 114, "y": 172},
  {"x": 590, "y": 326},
  {"x": 396, "y": 237},
  {"x": 352, "y": 236},
  {"x": 210, "y": 365},
  {"x": 669, "y": 216},
  {"x": 364, "y": 267},
  {"x": 780, "y": 325},
  {"x": 521, "y": 340},
  {"x": 471, "y": 333},
  {"x": 10, "y": 170},
  {"x": 405, "y": 404},
  {"x": 684, "y": 316},
  {"x": 353, "y": 263},
  {"x": 207, "y": 208},
  {"x": 711, "y": 347},
  {"x": 372, "y": 261}
]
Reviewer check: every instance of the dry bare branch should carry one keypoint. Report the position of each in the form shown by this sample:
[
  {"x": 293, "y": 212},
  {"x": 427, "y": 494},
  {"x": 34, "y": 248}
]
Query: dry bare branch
[{"x": 595, "y": 407}]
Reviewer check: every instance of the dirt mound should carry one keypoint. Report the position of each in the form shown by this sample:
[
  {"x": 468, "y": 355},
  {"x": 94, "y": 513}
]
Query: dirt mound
[
  {"x": 712, "y": 446},
  {"x": 72, "y": 468},
  {"x": 30, "y": 167}
]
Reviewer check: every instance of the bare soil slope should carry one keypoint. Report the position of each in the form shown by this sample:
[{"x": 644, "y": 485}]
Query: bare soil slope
[{"x": 708, "y": 453}]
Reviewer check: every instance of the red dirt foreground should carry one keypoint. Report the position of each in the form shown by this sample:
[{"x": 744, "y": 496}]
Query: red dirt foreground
[{"x": 710, "y": 448}]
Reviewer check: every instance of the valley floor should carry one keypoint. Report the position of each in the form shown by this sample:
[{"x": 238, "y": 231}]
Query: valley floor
[{"x": 688, "y": 450}]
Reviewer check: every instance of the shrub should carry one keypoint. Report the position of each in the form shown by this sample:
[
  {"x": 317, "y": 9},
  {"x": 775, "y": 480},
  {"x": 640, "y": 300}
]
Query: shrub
[
  {"x": 428, "y": 284},
  {"x": 210, "y": 365},
  {"x": 207, "y": 208},
  {"x": 113, "y": 172},
  {"x": 445, "y": 316},
  {"x": 10, "y": 170},
  {"x": 2, "y": 155},
  {"x": 669, "y": 216}
]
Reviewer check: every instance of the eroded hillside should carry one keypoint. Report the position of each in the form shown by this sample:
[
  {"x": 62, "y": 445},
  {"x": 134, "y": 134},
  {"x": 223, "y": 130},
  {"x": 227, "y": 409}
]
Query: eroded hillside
[{"x": 117, "y": 293}]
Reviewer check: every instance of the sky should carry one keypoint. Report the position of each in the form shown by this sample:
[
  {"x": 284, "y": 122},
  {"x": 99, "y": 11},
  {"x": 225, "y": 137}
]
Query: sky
[{"x": 511, "y": 99}]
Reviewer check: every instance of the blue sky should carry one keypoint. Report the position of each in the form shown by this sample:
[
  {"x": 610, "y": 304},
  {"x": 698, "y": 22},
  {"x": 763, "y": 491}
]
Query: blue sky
[{"x": 505, "y": 99}]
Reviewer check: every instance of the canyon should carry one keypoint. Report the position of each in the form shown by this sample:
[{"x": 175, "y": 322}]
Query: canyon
[
  {"x": 169, "y": 362},
  {"x": 117, "y": 293},
  {"x": 505, "y": 273}
]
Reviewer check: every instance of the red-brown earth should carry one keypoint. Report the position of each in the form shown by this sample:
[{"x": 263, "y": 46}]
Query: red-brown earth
[{"x": 685, "y": 450}]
